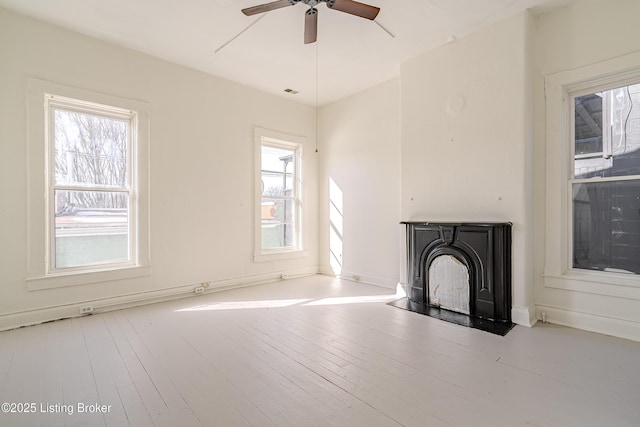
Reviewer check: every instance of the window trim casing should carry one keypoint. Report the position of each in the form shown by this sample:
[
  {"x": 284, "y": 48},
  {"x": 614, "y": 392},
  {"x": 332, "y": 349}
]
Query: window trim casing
[
  {"x": 39, "y": 274},
  {"x": 275, "y": 138},
  {"x": 559, "y": 88}
]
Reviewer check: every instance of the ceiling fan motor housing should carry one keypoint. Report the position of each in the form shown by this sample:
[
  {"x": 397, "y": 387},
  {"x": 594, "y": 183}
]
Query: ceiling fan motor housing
[{"x": 312, "y": 3}]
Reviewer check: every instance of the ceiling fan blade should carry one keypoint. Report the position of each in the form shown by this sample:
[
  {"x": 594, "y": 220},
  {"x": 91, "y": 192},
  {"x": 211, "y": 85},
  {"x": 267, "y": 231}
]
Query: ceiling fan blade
[
  {"x": 311, "y": 26},
  {"x": 354, "y": 8},
  {"x": 267, "y": 7}
]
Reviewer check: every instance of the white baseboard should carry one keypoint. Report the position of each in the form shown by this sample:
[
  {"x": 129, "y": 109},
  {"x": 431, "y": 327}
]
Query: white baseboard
[
  {"x": 525, "y": 316},
  {"x": 46, "y": 314},
  {"x": 621, "y": 328}
]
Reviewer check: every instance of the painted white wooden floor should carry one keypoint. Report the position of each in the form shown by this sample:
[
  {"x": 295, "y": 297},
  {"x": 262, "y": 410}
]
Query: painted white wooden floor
[{"x": 312, "y": 352}]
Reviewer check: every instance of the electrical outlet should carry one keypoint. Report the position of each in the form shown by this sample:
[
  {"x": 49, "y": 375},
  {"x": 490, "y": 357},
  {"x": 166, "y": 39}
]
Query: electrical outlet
[
  {"x": 87, "y": 309},
  {"x": 199, "y": 290}
]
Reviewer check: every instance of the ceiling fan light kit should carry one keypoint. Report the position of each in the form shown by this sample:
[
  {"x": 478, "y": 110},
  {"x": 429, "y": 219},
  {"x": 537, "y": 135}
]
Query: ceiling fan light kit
[{"x": 311, "y": 16}]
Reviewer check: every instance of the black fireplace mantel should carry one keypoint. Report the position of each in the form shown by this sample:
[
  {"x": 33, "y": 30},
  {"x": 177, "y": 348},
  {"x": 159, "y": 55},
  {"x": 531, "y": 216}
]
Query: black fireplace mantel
[{"x": 483, "y": 247}]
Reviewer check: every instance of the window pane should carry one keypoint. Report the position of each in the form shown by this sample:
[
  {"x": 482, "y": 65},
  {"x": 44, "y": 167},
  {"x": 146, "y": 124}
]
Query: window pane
[
  {"x": 91, "y": 227},
  {"x": 588, "y": 124},
  {"x": 278, "y": 223},
  {"x": 606, "y": 226},
  {"x": 607, "y": 129},
  {"x": 277, "y": 171},
  {"x": 90, "y": 150}
]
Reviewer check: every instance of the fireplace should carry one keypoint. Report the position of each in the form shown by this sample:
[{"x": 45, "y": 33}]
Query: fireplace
[{"x": 460, "y": 272}]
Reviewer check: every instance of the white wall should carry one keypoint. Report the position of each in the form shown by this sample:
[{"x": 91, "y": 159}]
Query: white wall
[
  {"x": 360, "y": 151},
  {"x": 201, "y": 168},
  {"x": 466, "y": 131},
  {"x": 591, "y": 38}
]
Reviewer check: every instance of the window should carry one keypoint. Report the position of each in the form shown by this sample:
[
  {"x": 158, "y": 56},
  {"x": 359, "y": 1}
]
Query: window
[
  {"x": 279, "y": 193},
  {"x": 92, "y": 200},
  {"x": 605, "y": 180},
  {"x": 88, "y": 187}
]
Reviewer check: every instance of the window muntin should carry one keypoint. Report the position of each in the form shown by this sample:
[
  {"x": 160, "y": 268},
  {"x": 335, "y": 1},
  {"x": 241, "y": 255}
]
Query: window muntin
[
  {"x": 91, "y": 193},
  {"x": 605, "y": 180},
  {"x": 280, "y": 206}
]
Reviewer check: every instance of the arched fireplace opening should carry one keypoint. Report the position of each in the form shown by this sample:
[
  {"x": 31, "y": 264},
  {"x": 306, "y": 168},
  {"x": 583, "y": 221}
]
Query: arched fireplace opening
[{"x": 447, "y": 284}]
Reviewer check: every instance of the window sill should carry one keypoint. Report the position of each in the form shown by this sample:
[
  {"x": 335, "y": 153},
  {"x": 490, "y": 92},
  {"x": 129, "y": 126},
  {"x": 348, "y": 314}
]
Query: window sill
[
  {"x": 280, "y": 255},
  {"x": 61, "y": 280},
  {"x": 599, "y": 283}
]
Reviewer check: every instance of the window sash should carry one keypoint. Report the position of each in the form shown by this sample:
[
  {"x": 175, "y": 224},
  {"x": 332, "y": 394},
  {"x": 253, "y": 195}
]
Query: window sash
[
  {"x": 572, "y": 181},
  {"x": 265, "y": 139},
  {"x": 55, "y": 103}
]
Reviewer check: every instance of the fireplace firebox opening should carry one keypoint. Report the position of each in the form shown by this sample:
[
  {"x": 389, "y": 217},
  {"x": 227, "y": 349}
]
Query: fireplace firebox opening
[{"x": 448, "y": 284}]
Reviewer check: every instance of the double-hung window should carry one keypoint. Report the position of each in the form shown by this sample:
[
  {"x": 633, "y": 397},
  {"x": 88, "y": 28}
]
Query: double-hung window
[
  {"x": 88, "y": 187},
  {"x": 604, "y": 183},
  {"x": 91, "y": 191},
  {"x": 278, "y": 222}
]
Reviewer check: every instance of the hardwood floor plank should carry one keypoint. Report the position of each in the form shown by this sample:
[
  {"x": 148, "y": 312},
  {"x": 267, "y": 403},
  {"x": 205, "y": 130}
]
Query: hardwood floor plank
[
  {"x": 78, "y": 382},
  {"x": 52, "y": 391},
  {"x": 114, "y": 383},
  {"x": 177, "y": 411},
  {"x": 162, "y": 411},
  {"x": 255, "y": 374},
  {"x": 399, "y": 379},
  {"x": 323, "y": 393},
  {"x": 326, "y": 366},
  {"x": 201, "y": 390}
]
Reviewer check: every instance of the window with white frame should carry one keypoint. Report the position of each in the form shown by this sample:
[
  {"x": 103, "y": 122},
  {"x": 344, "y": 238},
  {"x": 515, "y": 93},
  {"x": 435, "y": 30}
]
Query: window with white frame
[
  {"x": 88, "y": 192},
  {"x": 279, "y": 193},
  {"x": 604, "y": 183},
  {"x": 91, "y": 185}
]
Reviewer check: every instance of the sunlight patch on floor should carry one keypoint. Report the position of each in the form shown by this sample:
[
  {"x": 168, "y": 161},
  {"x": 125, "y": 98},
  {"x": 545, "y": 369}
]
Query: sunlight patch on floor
[
  {"x": 354, "y": 300},
  {"x": 236, "y": 305},
  {"x": 239, "y": 305}
]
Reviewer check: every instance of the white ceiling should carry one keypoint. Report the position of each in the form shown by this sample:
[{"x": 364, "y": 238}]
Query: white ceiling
[{"x": 352, "y": 53}]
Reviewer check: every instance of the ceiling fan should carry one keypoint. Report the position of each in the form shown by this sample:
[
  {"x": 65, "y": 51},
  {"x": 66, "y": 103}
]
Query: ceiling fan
[{"x": 311, "y": 16}]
